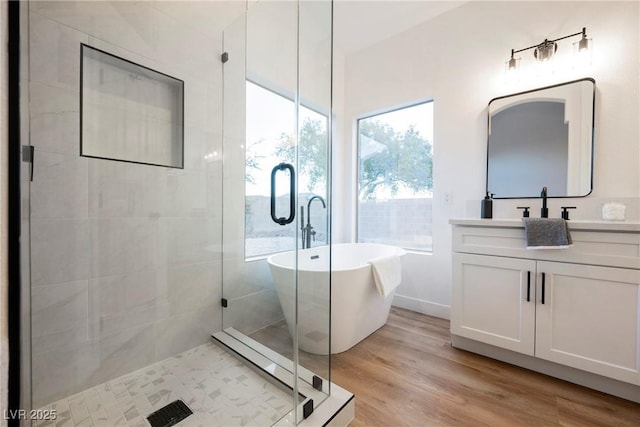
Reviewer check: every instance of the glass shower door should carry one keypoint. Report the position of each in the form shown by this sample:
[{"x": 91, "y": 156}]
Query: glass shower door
[
  {"x": 276, "y": 252},
  {"x": 256, "y": 119},
  {"x": 314, "y": 196}
]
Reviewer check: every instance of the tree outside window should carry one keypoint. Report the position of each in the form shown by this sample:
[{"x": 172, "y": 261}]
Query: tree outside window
[
  {"x": 270, "y": 129},
  {"x": 395, "y": 177}
]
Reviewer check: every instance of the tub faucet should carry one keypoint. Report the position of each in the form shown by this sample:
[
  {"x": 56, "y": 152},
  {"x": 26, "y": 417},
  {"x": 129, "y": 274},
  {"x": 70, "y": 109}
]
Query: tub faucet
[
  {"x": 544, "y": 212},
  {"x": 307, "y": 230}
]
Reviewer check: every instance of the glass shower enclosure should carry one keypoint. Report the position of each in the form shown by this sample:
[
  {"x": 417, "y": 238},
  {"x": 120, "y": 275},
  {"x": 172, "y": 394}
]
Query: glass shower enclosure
[
  {"x": 277, "y": 103},
  {"x": 176, "y": 187}
]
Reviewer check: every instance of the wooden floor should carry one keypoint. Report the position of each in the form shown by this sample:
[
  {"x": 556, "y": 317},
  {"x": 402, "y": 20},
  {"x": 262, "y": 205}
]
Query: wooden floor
[{"x": 407, "y": 374}]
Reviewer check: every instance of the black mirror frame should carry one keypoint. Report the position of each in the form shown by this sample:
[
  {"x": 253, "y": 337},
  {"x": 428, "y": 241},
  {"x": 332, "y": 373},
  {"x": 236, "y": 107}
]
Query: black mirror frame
[{"x": 593, "y": 118}]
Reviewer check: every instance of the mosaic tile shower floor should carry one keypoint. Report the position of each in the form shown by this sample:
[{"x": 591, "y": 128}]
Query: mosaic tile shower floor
[{"x": 219, "y": 388}]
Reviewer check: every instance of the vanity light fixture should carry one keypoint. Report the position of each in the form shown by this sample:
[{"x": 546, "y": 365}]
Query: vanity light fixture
[{"x": 545, "y": 50}]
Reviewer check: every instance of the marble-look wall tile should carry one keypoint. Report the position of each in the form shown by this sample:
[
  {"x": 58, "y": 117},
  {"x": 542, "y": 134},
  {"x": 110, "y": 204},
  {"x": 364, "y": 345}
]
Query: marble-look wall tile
[
  {"x": 188, "y": 240},
  {"x": 214, "y": 185},
  {"x": 244, "y": 278},
  {"x": 195, "y": 105},
  {"x": 182, "y": 193},
  {"x": 211, "y": 22},
  {"x": 200, "y": 323},
  {"x": 58, "y": 372},
  {"x": 54, "y": 52},
  {"x": 214, "y": 108},
  {"x": 214, "y": 142},
  {"x": 178, "y": 44},
  {"x": 233, "y": 202},
  {"x": 123, "y": 246},
  {"x": 59, "y": 316},
  {"x": 189, "y": 287},
  {"x": 131, "y": 25},
  {"x": 59, "y": 188},
  {"x": 129, "y": 55},
  {"x": 60, "y": 250},
  {"x": 120, "y": 189},
  {"x": 251, "y": 312},
  {"x": 195, "y": 141},
  {"x": 234, "y": 82},
  {"x": 120, "y": 302},
  {"x": 54, "y": 118},
  {"x": 121, "y": 352},
  {"x": 235, "y": 154},
  {"x": 63, "y": 371}
]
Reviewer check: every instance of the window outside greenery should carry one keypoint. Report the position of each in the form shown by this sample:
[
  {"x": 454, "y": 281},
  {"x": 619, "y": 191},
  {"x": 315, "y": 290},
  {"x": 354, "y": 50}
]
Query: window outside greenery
[
  {"x": 395, "y": 177},
  {"x": 270, "y": 126}
]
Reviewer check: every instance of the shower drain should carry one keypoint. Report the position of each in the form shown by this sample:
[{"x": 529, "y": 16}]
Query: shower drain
[{"x": 169, "y": 415}]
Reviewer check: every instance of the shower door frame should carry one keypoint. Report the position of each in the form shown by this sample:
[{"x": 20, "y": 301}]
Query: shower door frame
[{"x": 20, "y": 166}]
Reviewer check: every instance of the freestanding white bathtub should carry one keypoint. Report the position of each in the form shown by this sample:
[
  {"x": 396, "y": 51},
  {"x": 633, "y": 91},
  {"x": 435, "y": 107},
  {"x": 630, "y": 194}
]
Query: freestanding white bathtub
[{"x": 358, "y": 309}]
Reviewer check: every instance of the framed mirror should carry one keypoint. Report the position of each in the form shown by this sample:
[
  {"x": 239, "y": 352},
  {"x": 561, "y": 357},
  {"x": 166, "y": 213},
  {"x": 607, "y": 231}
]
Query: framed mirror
[{"x": 542, "y": 138}]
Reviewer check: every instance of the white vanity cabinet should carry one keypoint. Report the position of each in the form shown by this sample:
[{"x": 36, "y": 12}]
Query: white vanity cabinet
[
  {"x": 589, "y": 319},
  {"x": 578, "y": 307},
  {"x": 494, "y": 300}
]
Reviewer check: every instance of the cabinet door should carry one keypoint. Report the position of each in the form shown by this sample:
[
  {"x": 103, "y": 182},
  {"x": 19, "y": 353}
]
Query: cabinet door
[
  {"x": 589, "y": 319},
  {"x": 494, "y": 301}
]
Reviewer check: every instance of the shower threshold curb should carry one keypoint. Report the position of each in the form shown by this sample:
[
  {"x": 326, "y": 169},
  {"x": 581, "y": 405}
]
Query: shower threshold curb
[{"x": 335, "y": 410}]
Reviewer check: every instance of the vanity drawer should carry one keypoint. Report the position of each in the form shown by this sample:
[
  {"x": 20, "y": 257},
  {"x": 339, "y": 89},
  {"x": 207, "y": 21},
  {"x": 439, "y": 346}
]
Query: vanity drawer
[{"x": 607, "y": 248}]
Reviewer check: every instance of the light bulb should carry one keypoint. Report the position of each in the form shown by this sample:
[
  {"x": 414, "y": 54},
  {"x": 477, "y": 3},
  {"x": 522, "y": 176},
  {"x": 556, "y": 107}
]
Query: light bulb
[{"x": 582, "y": 52}]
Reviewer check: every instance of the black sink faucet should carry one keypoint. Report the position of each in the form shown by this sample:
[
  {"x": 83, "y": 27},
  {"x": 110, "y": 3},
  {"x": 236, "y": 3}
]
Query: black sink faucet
[{"x": 544, "y": 212}]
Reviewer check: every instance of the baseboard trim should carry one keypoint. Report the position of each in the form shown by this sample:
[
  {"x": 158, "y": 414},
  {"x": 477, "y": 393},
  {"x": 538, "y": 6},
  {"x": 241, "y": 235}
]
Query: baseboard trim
[
  {"x": 422, "y": 306},
  {"x": 587, "y": 379}
]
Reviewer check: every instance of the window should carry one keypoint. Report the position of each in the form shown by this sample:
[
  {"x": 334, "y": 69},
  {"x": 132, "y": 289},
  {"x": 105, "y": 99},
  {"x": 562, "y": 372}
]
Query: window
[
  {"x": 395, "y": 179},
  {"x": 270, "y": 126}
]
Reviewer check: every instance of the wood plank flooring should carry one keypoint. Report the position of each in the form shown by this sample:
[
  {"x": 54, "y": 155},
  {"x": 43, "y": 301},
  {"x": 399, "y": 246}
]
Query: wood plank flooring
[{"x": 408, "y": 374}]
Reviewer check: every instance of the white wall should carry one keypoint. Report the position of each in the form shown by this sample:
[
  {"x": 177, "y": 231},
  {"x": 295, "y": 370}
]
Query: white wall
[{"x": 457, "y": 59}]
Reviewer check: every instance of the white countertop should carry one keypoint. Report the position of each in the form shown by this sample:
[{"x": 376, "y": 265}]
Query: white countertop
[{"x": 573, "y": 224}]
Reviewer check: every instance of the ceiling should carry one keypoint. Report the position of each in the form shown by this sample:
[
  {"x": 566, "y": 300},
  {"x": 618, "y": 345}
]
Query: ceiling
[{"x": 359, "y": 24}]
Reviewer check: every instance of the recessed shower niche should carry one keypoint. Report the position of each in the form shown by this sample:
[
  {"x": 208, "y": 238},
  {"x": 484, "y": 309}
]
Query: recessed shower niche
[{"x": 129, "y": 112}]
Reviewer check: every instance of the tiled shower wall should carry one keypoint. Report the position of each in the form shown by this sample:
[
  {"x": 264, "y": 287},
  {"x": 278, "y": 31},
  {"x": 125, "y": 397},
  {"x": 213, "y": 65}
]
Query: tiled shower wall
[{"x": 125, "y": 258}]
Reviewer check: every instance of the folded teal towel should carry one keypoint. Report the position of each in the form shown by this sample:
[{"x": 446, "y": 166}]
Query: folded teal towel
[{"x": 547, "y": 233}]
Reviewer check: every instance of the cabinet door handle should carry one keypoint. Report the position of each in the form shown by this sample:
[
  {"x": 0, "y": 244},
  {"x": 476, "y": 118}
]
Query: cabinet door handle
[
  {"x": 528, "y": 286},
  {"x": 542, "y": 299}
]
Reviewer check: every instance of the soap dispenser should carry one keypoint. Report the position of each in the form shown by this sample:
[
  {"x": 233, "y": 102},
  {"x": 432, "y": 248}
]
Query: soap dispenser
[{"x": 486, "y": 207}]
